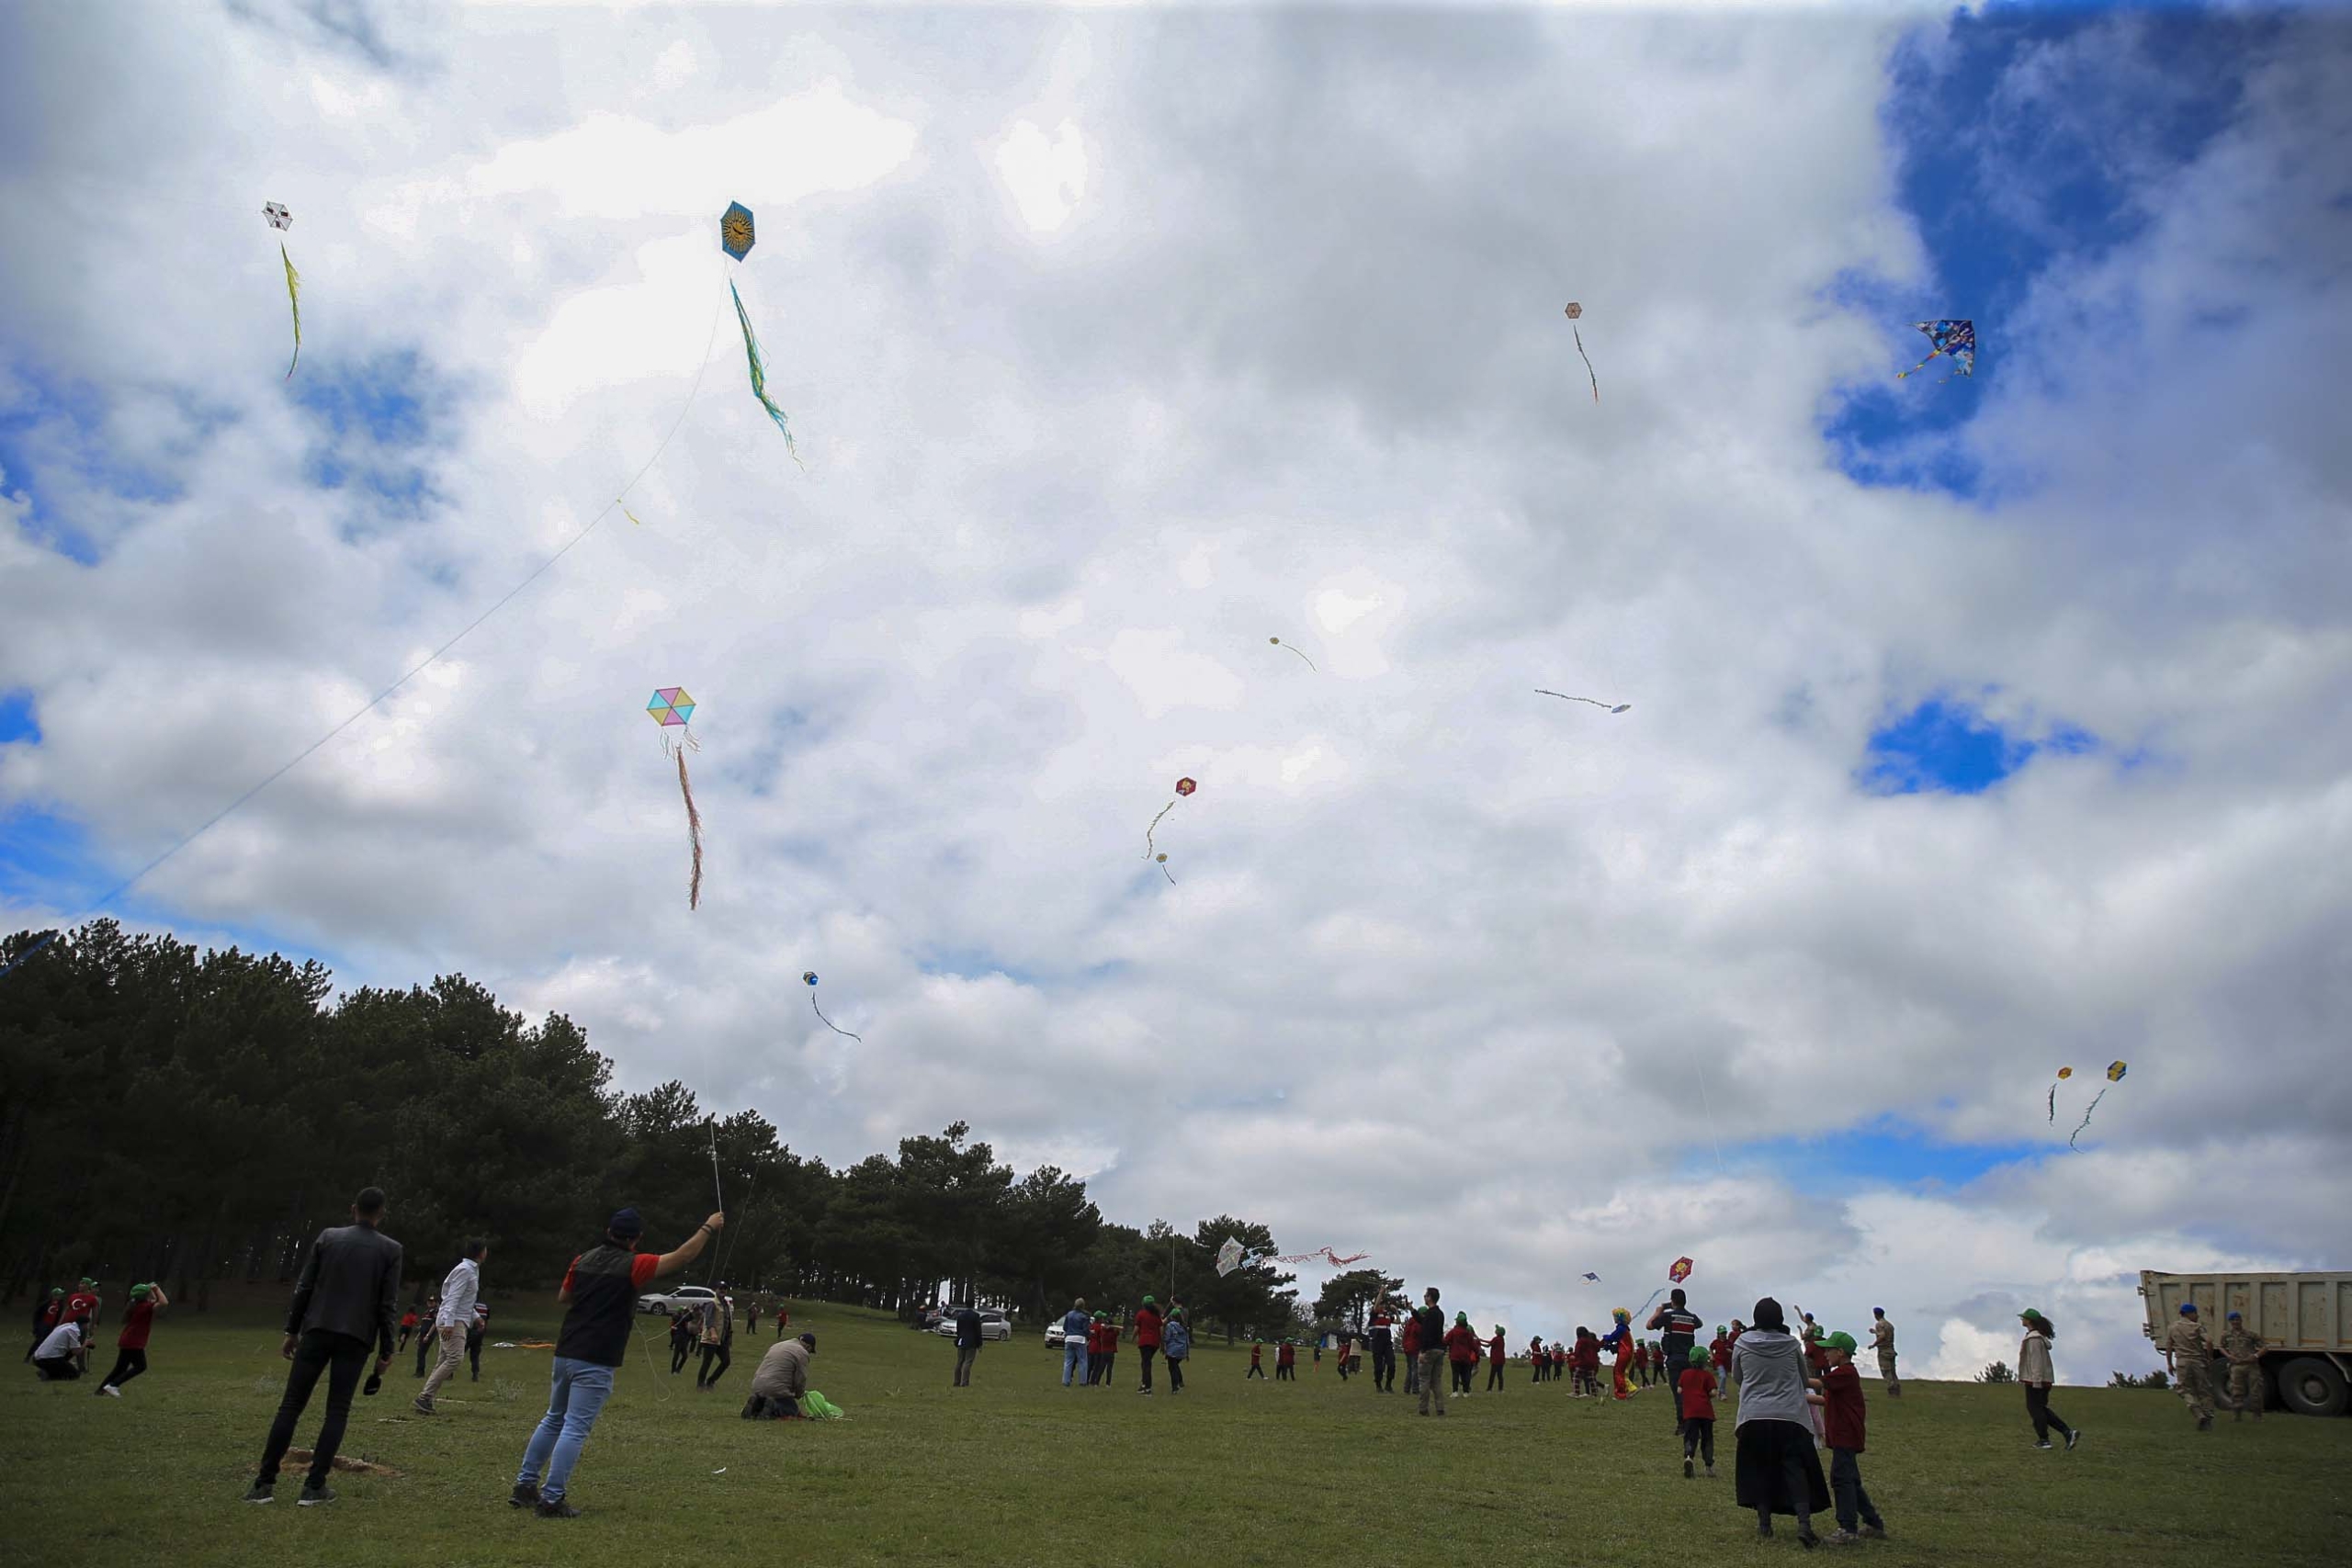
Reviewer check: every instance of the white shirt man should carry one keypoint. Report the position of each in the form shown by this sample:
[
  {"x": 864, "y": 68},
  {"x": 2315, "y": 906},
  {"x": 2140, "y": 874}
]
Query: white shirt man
[
  {"x": 458, "y": 1293},
  {"x": 56, "y": 1357}
]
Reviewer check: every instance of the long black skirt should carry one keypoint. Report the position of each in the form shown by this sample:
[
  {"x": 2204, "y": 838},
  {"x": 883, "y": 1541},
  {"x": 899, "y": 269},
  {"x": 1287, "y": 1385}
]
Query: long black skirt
[{"x": 1767, "y": 1450}]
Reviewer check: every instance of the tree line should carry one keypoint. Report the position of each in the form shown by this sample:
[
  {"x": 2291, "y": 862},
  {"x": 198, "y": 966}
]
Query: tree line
[{"x": 198, "y": 1117}]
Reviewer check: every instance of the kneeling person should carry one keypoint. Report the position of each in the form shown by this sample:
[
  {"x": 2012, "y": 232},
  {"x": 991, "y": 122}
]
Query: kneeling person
[{"x": 781, "y": 1381}]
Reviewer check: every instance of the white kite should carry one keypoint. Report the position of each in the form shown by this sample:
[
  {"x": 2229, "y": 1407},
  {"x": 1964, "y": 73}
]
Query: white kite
[{"x": 1228, "y": 1257}]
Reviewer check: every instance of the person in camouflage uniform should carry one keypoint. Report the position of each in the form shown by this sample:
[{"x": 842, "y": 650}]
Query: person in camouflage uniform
[
  {"x": 2192, "y": 1365},
  {"x": 1883, "y": 1339},
  {"x": 2243, "y": 1347}
]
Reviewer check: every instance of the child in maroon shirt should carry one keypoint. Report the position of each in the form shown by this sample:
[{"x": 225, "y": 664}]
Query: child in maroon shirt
[
  {"x": 1257, "y": 1362},
  {"x": 1696, "y": 1390},
  {"x": 1842, "y": 1422},
  {"x": 1495, "y": 1360},
  {"x": 131, "y": 1345}
]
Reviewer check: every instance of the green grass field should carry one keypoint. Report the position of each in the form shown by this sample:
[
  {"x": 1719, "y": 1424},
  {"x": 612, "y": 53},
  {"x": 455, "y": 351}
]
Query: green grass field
[{"x": 1016, "y": 1471}]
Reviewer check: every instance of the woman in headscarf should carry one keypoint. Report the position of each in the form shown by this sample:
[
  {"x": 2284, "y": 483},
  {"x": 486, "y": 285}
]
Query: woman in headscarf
[
  {"x": 1777, "y": 1470},
  {"x": 2034, "y": 1372}
]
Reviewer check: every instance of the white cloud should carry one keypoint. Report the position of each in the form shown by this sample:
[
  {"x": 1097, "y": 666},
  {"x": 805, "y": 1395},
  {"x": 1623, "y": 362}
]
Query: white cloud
[{"x": 1046, "y": 177}]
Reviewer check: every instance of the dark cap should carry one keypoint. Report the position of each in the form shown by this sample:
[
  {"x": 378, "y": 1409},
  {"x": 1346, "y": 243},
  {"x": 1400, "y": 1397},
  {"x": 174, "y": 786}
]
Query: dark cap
[
  {"x": 809, "y": 1340},
  {"x": 626, "y": 1223}
]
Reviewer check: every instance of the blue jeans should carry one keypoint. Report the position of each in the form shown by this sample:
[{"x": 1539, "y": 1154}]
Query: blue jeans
[
  {"x": 1073, "y": 1360},
  {"x": 576, "y": 1398}
]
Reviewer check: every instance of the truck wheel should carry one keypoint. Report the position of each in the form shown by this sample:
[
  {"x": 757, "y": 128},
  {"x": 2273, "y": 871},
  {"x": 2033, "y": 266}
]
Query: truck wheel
[{"x": 2310, "y": 1386}]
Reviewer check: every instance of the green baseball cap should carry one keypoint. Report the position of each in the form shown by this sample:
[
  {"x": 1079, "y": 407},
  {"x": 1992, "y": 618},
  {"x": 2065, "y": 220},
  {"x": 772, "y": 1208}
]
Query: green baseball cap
[
  {"x": 1698, "y": 1355},
  {"x": 1840, "y": 1341}
]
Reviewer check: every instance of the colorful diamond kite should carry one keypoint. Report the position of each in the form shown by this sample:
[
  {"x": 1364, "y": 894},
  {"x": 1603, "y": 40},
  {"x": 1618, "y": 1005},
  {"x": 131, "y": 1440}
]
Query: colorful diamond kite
[{"x": 670, "y": 706}]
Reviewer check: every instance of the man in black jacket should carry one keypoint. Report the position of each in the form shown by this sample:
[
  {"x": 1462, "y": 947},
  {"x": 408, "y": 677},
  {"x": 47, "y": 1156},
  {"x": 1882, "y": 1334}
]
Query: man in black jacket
[
  {"x": 344, "y": 1300},
  {"x": 1681, "y": 1327}
]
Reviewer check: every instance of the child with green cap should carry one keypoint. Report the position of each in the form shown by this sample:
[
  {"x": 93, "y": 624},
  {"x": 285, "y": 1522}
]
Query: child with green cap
[
  {"x": 1695, "y": 1397},
  {"x": 131, "y": 1345},
  {"x": 1842, "y": 1418}
]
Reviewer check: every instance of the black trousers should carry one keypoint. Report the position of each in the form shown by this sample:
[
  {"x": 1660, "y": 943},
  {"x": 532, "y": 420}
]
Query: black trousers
[
  {"x": 1383, "y": 1365},
  {"x": 1494, "y": 1376},
  {"x": 1698, "y": 1438},
  {"x": 58, "y": 1369},
  {"x": 1255, "y": 1371},
  {"x": 127, "y": 1364},
  {"x": 341, "y": 1359},
  {"x": 2037, "y": 1405},
  {"x": 423, "y": 1342},
  {"x": 473, "y": 1351},
  {"x": 1462, "y": 1375},
  {"x": 1846, "y": 1485},
  {"x": 1100, "y": 1372},
  {"x": 720, "y": 1353},
  {"x": 682, "y": 1350},
  {"x": 1149, "y": 1352},
  {"x": 1285, "y": 1372},
  {"x": 1175, "y": 1375}
]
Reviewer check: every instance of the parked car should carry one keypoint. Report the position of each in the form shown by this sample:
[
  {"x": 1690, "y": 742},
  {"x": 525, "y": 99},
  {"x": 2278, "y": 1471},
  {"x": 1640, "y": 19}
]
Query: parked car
[
  {"x": 994, "y": 1325},
  {"x": 673, "y": 1301}
]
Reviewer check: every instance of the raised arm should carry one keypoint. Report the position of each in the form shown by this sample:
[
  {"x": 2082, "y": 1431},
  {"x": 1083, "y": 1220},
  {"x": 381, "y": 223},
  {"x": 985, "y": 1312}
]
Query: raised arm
[{"x": 691, "y": 1248}]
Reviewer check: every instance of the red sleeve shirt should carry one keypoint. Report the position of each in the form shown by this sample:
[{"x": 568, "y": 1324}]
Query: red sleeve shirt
[
  {"x": 1461, "y": 1345},
  {"x": 1257, "y": 1353},
  {"x": 1842, "y": 1418},
  {"x": 1412, "y": 1337},
  {"x": 1719, "y": 1350},
  {"x": 1495, "y": 1348},
  {"x": 135, "y": 1325},
  {"x": 1698, "y": 1394},
  {"x": 1287, "y": 1355},
  {"x": 81, "y": 1303},
  {"x": 1147, "y": 1328},
  {"x": 640, "y": 1270}
]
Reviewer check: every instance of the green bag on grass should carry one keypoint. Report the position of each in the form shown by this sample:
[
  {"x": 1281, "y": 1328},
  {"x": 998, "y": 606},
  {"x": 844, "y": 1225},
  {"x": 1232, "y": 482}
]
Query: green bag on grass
[{"x": 817, "y": 1407}]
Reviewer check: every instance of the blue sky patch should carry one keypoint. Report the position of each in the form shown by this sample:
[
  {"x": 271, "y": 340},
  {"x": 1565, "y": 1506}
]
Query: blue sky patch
[
  {"x": 19, "y": 721},
  {"x": 379, "y": 422},
  {"x": 2024, "y": 139},
  {"x": 1887, "y": 1153},
  {"x": 1948, "y": 747}
]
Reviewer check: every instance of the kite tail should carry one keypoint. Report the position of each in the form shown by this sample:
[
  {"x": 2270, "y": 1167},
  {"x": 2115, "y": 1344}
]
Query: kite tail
[
  {"x": 1310, "y": 663},
  {"x": 1921, "y": 366},
  {"x": 693, "y": 832},
  {"x": 760, "y": 378},
  {"x": 1167, "y": 873},
  {"x": 1587, "y": 363},
  {"x": 828, "y": 1022},
  {"x": 2087, "y": 1114},
  {"x": 1150, "y": 849},
  {"x": 293, "y": 298},
  {"x": 2053, "y": 1105}
]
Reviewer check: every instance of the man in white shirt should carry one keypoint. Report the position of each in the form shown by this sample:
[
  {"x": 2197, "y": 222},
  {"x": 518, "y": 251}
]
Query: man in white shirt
[
  {"x": 458, "y": 1293},
  {"x": 58, "y": 1358}
]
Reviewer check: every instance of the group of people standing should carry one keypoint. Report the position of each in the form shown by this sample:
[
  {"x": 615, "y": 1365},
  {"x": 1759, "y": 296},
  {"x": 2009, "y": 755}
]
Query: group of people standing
[{"x": 1091, "y": 1345}]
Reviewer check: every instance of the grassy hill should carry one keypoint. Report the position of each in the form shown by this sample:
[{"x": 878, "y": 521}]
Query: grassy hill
[{"x": 1015, "y": 1470}]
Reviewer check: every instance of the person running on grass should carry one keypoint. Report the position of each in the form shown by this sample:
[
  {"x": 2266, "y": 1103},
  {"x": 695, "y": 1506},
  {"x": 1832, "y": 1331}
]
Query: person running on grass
[
  {"x": 424, "y": 1337},
  {"x": 458, "y": 1293},
  {"x": 1257, "y": 1360},
  {"x": 681, "y": 1339},
  {"x": 599, "y": 1297},
  {"x": 346, "y": 1299},
  {"x": 131, "y": 1345}
]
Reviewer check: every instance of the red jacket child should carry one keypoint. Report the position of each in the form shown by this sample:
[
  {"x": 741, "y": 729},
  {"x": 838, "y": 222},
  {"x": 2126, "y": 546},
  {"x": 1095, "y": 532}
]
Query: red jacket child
[
  {"x": 1147, "y": 1328},
  {"x": 1461, "y": 1345},
  {"x": 1698, "y": 1394},
  {"x": 1495, "y": 1350},
  {"x": 1412, "y": 1346},
  {"x": 1287, "y": 1355}
]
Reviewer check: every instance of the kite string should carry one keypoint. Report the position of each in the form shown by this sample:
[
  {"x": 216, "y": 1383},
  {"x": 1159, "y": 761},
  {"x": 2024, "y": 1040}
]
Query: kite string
[{"x": 418, "y": 668}]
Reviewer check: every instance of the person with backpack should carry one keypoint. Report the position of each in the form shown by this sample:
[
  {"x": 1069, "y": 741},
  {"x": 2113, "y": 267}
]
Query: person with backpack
[{"x": 1176, "y": 1344}]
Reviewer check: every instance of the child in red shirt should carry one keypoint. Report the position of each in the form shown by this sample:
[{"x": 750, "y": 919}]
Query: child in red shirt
[
  {"x": 1842, "y": 1419},
  {"x": 1286, "y": 1362},
  {"x": 131, "y": 1345},
  {"x": 1257, "y": 1360},
  {"x": 1696, "y": 1390},
  {"x": 1462, "y": 1351},
  {"x": 1495, "y": 1360}
]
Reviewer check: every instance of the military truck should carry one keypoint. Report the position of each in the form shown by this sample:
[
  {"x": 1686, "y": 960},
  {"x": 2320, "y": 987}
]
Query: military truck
[{"x": 2305, "y": 1321}]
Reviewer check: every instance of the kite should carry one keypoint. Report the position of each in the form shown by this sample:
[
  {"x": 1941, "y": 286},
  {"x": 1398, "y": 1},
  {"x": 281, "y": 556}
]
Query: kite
[
  {"x": 1183, "y": 788},
  {"x": 1576, "y": 312},
  {"x": 1957, "y": 339},
  {"x": 280, "y": 218},
  {"x": 1228, "y": 1257},
  {"x": 1680, "y": 1271},
  {"x": 2115, "y": 1071},
  {"x": 1592, "y": 1279},
  {"x": 735, "y": 234},
  {"x": 1596, "y": 701},
  {"x": 809, "y": 978},
  {"x": 277, "y": 215},
  {"x": 735, "y": 237},
  {"x": 2064, "y": 1074},
  {"x": 1280, "y": 643},
  {"x": 672, "y": 709}
]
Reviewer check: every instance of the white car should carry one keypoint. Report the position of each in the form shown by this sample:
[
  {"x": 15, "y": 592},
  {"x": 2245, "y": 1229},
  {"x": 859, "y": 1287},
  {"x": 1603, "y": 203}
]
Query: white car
[
  {"x": 685, "y": 1296},
  {"x": 994, "y": 1325}
]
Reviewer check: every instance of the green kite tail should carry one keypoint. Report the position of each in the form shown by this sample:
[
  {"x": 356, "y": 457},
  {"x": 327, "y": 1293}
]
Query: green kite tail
[
  {"x": 760, "y": 378},
  {"x": 294, "y": 297}
]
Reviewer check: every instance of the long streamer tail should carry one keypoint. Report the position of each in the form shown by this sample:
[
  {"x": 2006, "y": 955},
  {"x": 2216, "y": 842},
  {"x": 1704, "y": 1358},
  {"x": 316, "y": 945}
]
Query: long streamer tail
[
  {"x": 760, "y": 378},
  {"x": 1566, "y": 698},
  {"x": 1899, "y": 375},
  {"x": 828, "y": 1022},
  {"x": 1150, "y": 849},
  {"x": 293, "y": 298},
  {"x": 1587, "y": 363},
  {"x": 1310, "y": 663},
  {"x": 694, "y": 832},
  {"x": 2053, "y": 1105},
  {"x": 2087, "y": 1115}
]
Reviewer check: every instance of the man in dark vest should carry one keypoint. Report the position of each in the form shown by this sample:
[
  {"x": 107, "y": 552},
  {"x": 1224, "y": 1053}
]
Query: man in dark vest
[
  {"x": 343, "y": 1301},
  {"x": 599, "y": 1289}
]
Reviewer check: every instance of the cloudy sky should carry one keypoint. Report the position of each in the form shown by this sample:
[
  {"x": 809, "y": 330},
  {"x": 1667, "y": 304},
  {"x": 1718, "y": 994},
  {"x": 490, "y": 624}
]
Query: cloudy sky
[{"x": 1979, "y": 726}]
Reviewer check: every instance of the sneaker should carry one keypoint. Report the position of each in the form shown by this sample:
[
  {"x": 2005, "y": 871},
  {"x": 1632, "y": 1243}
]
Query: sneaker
[
  {"x": 1840, "y": 1537},
  {"x": 555, "y": 1508},
  {"x": 526, "y": 1495},
  {"x": 2043, "y": 1445},
  {"x": 1710, "y": 1472},
  {"x": 314, "y": 1495},
  {"x": 1873, "y": 1532},
  {"x": 2073, "y": 1438},
  {"x": 1686, "y": 1469},
  {"x": 261, "y": 1491},
  {"x": 422, "y": 1405},
  {"x": 109, "y": 1391}
]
